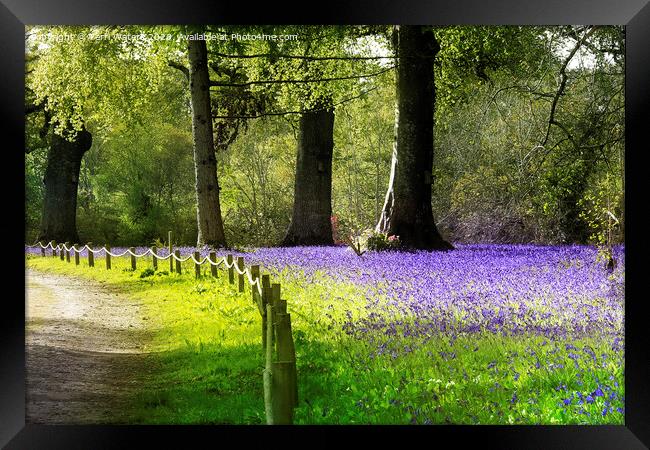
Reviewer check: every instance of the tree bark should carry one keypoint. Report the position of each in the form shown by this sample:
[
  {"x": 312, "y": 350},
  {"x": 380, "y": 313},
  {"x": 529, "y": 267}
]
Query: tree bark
[
  {"x": 59, "y": 219},
  {"x": 312, "y": 207},
  {"x": 407, "y": 209},
  {"x": 208, "y": 208}
]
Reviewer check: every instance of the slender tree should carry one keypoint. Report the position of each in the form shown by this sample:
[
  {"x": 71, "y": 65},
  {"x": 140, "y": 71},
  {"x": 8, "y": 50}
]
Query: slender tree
[
  {"x": 210, "y": 224},
  {"x": 407, "y": 209}
]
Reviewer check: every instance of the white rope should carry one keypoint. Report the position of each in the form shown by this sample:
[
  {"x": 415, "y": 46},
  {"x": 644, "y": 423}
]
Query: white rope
[
  {"x": 140, "y": 256},
  {"x": 205, "y": 258},
  {"x": 218, "y": 262},
  {"x": 223, "y": 260},
  {"x": 116, "y": 255},
  {"x": 178, "y": 258},
  {"x": 257, "y": 284}
]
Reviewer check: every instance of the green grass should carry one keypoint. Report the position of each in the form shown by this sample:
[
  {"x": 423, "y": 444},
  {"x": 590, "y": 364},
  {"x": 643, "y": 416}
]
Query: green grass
[{"x": 207, "y": 340}]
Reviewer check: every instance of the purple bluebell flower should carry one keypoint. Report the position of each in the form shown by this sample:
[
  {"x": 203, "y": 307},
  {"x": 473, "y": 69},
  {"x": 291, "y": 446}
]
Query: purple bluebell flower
[{"x": 598, "y": 392}]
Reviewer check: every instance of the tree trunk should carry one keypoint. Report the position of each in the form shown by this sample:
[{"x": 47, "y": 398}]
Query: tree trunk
[
  {"x": 312, "y": 206},
  {"x": 59, "y": 220},
  {"x": 407, "y": 209},
  {"x": 208, "y": 208}
]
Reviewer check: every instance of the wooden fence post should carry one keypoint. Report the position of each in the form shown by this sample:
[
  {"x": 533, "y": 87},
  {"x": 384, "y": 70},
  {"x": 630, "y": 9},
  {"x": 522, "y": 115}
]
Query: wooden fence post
[
  {"x": 274, "y": 298},
  {"x": 266, "y": 295},
  {"x": 255, "y": 275},
  {"x": 266, "y": 282},
  {"x": 91, "y": 255},
  {"x": 240, "y": 265},
  {"x": 285, "y": 345},
  {"x": 231, "y": 270},
  {"x": 178, "y": 263},
  {"x": 154, "y": 259},
  {"x": 213, "y": 268},
  {"x": 133, "y": 262},
  {"x": 171, "y": 258},
  {"x": 67, "y": 252},
  {"x": 268, "y": 371},
  {"x": 76, "y": 252},
  {"x": 108, "y": 256},
  {"x": 282, "y": 395},
  {"x": 275, "y": 293},
  {"x": 54, "y": 248},
  {"x": 197, "y": 266}
]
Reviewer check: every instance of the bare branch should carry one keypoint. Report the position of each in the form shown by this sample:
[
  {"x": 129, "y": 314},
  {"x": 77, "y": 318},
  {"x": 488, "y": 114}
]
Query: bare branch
[
  {"x": 313, "y": 80},
  {"x": 560, "y": 91},
  {"x": 305, "y": 58},
  {"x": 180, "y": 67},
  {"x": 285, "y": 113}
]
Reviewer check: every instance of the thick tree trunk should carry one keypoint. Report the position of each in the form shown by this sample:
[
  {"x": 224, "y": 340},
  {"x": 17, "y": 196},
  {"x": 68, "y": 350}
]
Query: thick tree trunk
[
  {"x": 407, "y": 209},
  {"x": 59, "y": 219},
  {"x": 208, "y": 214},
  {"x": 312, "y": 207}
]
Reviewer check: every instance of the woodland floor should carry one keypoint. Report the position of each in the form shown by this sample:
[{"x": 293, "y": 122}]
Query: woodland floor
[{"x": 83, "y": 351}]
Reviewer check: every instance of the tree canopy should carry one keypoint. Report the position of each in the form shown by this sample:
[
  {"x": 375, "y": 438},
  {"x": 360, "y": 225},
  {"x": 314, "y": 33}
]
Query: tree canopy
[{"x": 528, "y": 128}]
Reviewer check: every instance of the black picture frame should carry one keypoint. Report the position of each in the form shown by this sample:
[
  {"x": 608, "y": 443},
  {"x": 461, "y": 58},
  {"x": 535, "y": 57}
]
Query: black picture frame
[{"x": 635, "y": 14}]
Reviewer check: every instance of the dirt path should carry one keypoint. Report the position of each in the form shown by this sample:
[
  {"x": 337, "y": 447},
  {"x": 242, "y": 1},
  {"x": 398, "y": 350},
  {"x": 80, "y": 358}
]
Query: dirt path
[{"x": 83, "y": 351}]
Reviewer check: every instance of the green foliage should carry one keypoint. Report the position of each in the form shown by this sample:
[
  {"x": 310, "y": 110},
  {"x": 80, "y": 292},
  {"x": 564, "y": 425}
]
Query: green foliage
[
  {"x": 470, "y": 55},
  {"x": 601, "y": 209},
  {"x": 362, "y": 155},
  {"x": 379, "y": 242},
  {"x": 256, "y": 177},
  {"x": 148, "y": 272},
  {"x": 34, "y": 168},
  {"x": 111, "y": 77},
  {"x": 494, "y": 181}
]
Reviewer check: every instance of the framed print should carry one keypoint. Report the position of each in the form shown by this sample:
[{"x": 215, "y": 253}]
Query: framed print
[{"x": 416, "y": 220}]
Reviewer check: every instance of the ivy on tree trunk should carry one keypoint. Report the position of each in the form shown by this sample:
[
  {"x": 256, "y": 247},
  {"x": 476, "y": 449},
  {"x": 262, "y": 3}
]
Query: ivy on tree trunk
[{"x": 407, "y": 209}]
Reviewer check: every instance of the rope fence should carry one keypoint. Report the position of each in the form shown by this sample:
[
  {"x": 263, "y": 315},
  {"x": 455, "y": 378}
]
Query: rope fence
[{"x": 280, "y": 373}]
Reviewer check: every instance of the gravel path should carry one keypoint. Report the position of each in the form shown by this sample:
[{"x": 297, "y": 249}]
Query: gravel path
[{"x": 83, "y": 351}]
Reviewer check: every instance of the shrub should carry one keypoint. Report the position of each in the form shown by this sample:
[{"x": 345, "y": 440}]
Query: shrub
[
  {"x": 381, "y": 242},
  {"x": 147, "y": 272}
]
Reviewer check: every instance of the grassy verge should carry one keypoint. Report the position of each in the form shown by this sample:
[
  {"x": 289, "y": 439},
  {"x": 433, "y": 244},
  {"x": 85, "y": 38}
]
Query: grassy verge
[{"x": 207, "y": 338}]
